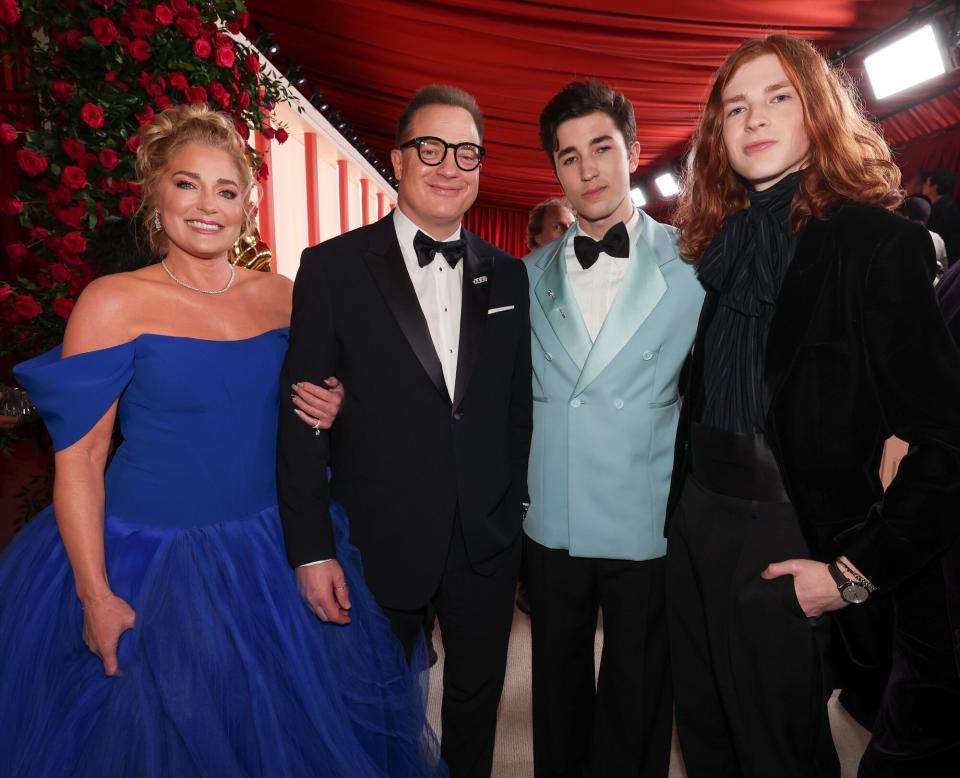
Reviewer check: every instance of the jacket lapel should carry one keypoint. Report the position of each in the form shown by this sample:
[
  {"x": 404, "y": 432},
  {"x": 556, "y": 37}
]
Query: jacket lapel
[
  {"x": 641, "y": 290},
  {"x": 477, "y": 278},
  {"x": 391, "y": 276},
  {"x": 560, "y": 307},
  {"x": 796, "y": 303}
]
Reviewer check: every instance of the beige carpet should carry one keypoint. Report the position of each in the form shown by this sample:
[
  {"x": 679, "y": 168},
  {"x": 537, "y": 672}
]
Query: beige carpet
[{"x": 513, "y": 757}]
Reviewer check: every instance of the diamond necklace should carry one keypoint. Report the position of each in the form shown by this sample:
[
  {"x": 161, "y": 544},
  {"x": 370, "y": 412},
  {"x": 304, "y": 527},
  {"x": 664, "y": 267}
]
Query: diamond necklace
[{"x": 233, "y": 276}]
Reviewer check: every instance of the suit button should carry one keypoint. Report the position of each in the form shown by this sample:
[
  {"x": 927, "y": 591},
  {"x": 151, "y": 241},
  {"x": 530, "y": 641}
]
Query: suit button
[
  {"x": 575, "y": 402},
  {"x": 618, "y": 403},
  {"x": 548, "y": 355},
  {"x": 457, "y": 416},
  {"x": 647, "y": 355}
]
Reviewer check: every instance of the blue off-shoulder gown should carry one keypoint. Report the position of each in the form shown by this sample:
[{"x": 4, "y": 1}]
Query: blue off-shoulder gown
[{"x": 227, "y": 672}]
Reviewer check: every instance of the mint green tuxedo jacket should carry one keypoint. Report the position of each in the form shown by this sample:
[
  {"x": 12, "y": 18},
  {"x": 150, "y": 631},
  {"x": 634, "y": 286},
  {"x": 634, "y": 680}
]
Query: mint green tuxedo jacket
[{"x": 605, "y": 413}]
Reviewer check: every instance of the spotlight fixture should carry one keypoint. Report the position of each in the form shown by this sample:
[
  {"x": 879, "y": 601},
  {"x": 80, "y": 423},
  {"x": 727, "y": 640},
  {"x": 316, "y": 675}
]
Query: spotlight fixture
[
  {"x": 906, "y": 62},
  {"x": 295, "y": 76},
  {"x": 636, "y": 194},
  {"x": 667, "y": 184}
]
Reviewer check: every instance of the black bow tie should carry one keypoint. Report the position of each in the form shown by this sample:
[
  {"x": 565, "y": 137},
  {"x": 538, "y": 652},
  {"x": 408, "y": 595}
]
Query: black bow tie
[
  {"x": 616, "y": 243},
  {"x": 426, "y": 248}
]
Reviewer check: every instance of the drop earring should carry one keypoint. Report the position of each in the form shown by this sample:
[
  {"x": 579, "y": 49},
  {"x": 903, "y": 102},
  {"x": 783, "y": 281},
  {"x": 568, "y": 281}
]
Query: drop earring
[{"x": 157, "y": 226}]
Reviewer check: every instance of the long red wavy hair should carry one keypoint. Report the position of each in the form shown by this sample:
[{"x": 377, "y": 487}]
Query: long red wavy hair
[{"x": 849, "y": 160}]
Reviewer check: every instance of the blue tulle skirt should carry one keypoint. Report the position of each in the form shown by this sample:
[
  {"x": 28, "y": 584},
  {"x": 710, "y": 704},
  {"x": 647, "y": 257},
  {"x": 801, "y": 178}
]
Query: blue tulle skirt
[{"x": 227, "y": 673}]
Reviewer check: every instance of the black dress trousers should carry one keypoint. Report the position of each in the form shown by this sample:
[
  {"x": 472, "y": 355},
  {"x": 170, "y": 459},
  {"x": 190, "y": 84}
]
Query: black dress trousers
[
  {"x": 749, "y": 668},
  {"x": 621, "y": 726},
  {"x": 475, "y": 613}
]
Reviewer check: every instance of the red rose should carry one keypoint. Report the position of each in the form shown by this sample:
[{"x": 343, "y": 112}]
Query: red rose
[
  {"x": 264, "y": 172},
  {"x": 196, "y": 95},
  {"x": 163, "y": 102},
  {"x": 9, "y": 12},
  {"x": 92, "y": 115},
  {"x": 38, "y": 233},
  {"x": 71, "y": 216},
  {"x": 189, "y": 27},
  {"x": 59, "y": 196},
  {"x": 139, "y": 49},
  {"x": 43, "y": 281},
  {"x": 163, "y": 15},
  {"x": 224, "y": 56},
  {"x": 75, "y": 242},
  {"x": 30, "y": 162},
  {"x": 54, "y": 242},
  {"x": 5, "y": 292},
  {"x": 59, "y": 272},
  {"x": 242, "y": 127},
  {"x": 179, "y": 6},
  {"x": 74, "y": 148},
  {"x": 87, "y": 161},
  {"x": 27, "y": 307},
  {"x": 222, "y": 39},
  {"x": 73, "y": 177},
  {"x": 10, "y": 206},
  {"x": 243, "y": 20},
  {"x": 201, "y": 48},
  {"x": 104, "y": 30},
  {"x": 219, "y": 95},
  {"x": 7, "y": 133},
  {"x": 70, "y": 259},
  {"x": 281, "y": 135},
  {"x": 135, "y": 188},
  {"x": 62, "y": 307},
  {"x": 62, "y": 90},
  {"x": 128, "y": 205},
  {"x": 73, "y": 38},
  {"x": 243, "y": 100},
  {"x": 133, "y": 143},
  {"x": 145, "y": 116},
  {"x": 108, "y": 158},
  {"x": 156, "y": 87},
  {"x": 234, "y": 27},
  {"x": 141, "y": 22},
  {"x": 252, "y": 63},
  {"x": 111, "y": 76},
  {"x": 17, "y": 251},
  {"x": 267, "y": 131},
  {"x": 177, "y": 80}
]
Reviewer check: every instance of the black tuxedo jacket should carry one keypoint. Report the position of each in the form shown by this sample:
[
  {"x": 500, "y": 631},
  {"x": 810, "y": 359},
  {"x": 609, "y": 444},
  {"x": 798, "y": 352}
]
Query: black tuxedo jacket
[
  {"x": 404, "y": 459},
  {"x": 857, "y": 351}
]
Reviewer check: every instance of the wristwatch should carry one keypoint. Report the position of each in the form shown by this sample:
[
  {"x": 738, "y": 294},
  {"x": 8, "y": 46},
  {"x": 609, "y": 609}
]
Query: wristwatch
[{"x": 852, "y": 590}]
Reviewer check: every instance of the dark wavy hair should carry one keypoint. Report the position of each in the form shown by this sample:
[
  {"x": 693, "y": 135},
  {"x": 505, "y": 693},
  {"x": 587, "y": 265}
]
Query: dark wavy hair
[{"x": 849, "y": 160}]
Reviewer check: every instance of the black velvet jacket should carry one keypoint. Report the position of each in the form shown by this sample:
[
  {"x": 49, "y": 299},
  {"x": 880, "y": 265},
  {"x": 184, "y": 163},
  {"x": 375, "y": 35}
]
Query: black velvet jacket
[{"x": 858, "y": 351}]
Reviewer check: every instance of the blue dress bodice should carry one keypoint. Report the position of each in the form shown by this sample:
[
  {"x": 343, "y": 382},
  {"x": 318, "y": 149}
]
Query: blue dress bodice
[{"x": 198, "y": 420}]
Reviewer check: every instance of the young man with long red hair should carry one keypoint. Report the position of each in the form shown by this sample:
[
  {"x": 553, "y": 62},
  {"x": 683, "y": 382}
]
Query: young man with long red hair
[{"x": 819, "y": 338}]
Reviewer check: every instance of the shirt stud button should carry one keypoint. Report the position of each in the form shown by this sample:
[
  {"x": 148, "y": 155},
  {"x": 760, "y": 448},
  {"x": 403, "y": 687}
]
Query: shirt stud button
[{"x": 647, "y": 355}]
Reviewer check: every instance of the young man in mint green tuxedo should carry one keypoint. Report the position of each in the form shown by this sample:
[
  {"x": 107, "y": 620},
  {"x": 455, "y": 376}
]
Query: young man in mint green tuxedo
[{"x": 613, "y": 314}]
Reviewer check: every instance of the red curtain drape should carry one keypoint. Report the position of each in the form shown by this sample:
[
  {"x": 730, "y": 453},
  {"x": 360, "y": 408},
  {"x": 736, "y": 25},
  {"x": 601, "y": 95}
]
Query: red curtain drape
[{"x": 505, "y": 228}]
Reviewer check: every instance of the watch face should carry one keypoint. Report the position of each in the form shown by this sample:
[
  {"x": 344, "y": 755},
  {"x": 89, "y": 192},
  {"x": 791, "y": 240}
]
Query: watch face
[{"x": 854, "y": 593}]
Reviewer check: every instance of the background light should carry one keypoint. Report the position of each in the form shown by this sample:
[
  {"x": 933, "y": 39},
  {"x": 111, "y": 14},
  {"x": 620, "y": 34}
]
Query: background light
[
  {"x": 913, "y": 59},
  {"x": 636, "y": 194},
  {"x": 667, "y": 184}
]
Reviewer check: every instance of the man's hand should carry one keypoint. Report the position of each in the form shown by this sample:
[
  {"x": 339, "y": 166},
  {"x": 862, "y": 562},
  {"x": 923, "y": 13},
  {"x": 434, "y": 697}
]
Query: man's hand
[
  {"x": 317, "y": 406},
  {"x": 815, "y": 588},
  {"x": 105, "y": 619},
  {"x": 325, "y": 589}
]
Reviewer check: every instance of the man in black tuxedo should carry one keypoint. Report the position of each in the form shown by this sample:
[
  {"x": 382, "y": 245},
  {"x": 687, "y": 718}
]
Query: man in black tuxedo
[{"x": 428, "y": 327}]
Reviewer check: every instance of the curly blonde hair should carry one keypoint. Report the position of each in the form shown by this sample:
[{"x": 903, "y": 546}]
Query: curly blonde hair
[{"x": 169, "y": 131}]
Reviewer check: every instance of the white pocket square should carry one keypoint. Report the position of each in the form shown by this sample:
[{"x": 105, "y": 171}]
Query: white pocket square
[{"x": 501, "y": 309}]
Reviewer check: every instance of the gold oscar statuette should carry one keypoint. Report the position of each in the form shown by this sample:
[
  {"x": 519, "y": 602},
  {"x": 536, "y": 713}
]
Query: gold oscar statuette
[{"x": 251, "y": 252}]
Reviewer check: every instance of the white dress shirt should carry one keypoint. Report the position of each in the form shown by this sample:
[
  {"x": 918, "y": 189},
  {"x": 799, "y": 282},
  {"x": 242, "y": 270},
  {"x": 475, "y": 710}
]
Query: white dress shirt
[
  {"x": 439, "y": 289},
  {"x": 595, "y": 289}
]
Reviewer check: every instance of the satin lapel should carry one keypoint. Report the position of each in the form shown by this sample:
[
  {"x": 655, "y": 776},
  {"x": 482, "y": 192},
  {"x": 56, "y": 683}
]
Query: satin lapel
[
  {"x": 391, "y": 276},
  {"x": 473, "y": 317},
  {"x": 641, "y": 290},
  {"x": 796, "y": 303},
  {"x": 561, "y": 309}
]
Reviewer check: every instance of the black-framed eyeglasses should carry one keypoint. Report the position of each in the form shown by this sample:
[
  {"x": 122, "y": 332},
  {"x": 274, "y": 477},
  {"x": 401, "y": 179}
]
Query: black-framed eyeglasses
[{"x": 432, "y": 151}]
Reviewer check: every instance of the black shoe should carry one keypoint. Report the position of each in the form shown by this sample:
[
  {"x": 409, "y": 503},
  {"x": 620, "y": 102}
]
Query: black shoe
[{"x": 523, "y": 604}]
